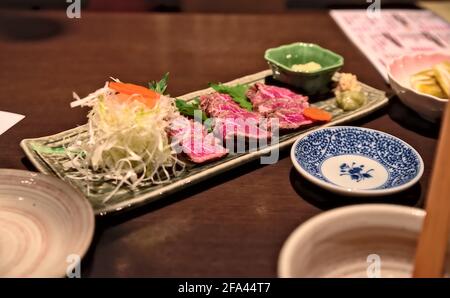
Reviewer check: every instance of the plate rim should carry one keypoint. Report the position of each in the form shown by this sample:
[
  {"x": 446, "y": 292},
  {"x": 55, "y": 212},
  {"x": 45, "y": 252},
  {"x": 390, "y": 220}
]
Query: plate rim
[{"x": 356, "y": 192}]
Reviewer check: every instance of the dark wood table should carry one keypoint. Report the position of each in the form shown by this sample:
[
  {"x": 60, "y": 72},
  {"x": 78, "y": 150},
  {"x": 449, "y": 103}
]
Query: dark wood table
[{"x": 231, "y": 225}]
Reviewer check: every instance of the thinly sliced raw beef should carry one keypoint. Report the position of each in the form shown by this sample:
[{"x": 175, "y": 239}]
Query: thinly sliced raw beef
[
  {"x": 242, "y": 129},
  {"x": 280, "y": 103},
  {"x": 220, "y": 105},
  {"x": 198, "y": 145},
  {"x": 230, "y": 120}
]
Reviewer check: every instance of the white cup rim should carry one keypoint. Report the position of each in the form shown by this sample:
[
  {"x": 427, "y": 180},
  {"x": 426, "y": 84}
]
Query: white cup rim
[{"x": 332, "y": 216}]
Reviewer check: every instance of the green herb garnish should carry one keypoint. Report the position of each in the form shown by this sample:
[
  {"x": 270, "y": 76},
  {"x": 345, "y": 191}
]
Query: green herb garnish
[
  {"x": 237, "y": 92},
  {"x": 188, "y": 108},
  {"x": 47, "y": 149},
  {"x": 60, "y": 150},
  {"x": 160, "y": 86}
]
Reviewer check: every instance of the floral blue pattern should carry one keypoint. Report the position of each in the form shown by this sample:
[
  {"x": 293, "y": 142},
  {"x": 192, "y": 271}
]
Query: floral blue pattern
[
  {"x": 355, "y": 172},
  {"x": 400, "y": 161}
]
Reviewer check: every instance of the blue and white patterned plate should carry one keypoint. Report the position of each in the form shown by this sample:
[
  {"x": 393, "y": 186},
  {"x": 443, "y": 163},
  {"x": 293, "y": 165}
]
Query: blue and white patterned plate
[{"x": 356, "y": 161}]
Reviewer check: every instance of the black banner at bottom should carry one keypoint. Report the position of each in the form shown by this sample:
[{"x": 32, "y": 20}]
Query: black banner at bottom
[{"x": 212, "y": 287}]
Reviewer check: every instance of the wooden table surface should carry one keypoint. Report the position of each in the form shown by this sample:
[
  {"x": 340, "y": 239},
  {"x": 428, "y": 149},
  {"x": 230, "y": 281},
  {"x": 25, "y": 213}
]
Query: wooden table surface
[{"x": 230, "y": 226}]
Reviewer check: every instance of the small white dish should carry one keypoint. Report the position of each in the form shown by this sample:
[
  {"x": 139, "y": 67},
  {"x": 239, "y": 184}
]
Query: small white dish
[
  {"x": 356, "y": 161},
  {"x": 44, "y": 225},
  {"x": 369, "y": 240},
  {"x": 400, "y": 71}
]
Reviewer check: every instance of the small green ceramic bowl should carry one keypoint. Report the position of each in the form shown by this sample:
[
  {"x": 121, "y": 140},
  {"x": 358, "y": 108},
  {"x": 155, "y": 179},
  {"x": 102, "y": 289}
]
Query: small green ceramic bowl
[{"x": 282, "y": 58}]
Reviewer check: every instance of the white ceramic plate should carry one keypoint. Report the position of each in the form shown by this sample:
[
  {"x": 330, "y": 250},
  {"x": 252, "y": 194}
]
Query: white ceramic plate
[
  {"x": 45, "y": 224},
  {"x": 356, "y": 161}
]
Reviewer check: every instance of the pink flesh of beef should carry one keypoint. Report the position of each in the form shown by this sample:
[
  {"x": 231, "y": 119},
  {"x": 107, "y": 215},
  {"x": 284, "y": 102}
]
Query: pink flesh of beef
[
  {"x": 230, "y": 119},
  {"x": 280, "y": 103},
  {"x": 227, "y": 128},
  {"x": 220, "y": 105},
  {"x": 198, "y": 145}
]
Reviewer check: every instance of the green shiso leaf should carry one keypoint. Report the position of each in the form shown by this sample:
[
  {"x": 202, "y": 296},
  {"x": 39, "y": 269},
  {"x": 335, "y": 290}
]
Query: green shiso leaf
[{"x": 237, "y": 92}]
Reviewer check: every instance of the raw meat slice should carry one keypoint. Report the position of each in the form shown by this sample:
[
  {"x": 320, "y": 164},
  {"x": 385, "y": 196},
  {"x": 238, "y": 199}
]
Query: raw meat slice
[
  {"x": 242, "y": 129},
  {"x": 220, "y": 105},
  {"x": 192, "y": 139},
  {"x": 230, "y": 120},
  {"x": 280, "y": 103},
  {"x": 260, "y": 92}
]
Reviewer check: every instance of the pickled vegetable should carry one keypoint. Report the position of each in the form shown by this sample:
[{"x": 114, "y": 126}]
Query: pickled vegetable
[
  {"x": 434, "y": 81},
  {"x": 350, "y": 100},
  {"x": 349, "y": 94},
  {"x": 442, "y": 74}
]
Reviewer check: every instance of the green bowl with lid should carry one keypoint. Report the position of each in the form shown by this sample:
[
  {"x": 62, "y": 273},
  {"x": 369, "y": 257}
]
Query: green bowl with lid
[{"x": 282, "y": 58}]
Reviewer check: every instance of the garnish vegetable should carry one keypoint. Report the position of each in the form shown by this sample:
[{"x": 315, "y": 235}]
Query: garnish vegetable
[
  {"x": 161, "y": 85},
  {"x": 127, "y": 141},
  {"x": 317, "y": 114},
  {"x": 349, "y": 95},
  {"x": 237, "y": 92},
  {"x": 129, "y": 92},
  {"x": 188, "y": 108}
]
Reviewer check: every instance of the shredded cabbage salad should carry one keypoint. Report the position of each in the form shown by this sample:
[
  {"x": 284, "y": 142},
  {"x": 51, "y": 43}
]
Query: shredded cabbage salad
[{"x": 127, "y": 141}]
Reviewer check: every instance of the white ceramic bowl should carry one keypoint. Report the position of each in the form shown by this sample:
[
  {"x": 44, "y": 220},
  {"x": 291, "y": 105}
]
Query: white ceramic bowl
[
  {"x": 46, "y": 226},
  {"x": 370, "y": 240},
  {"x": 399, "y": 73}
]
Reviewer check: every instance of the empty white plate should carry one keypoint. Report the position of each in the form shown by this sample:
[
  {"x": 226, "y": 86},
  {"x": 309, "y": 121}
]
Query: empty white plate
[{"x": 45, "y": 225}]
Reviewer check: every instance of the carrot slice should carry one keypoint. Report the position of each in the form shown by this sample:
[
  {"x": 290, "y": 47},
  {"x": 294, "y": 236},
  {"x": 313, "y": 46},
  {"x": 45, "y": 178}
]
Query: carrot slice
[
  {"x": 130, "y": 89},
  {"x": 147, "y": 96},
  {"x": 317, "y": 114}
]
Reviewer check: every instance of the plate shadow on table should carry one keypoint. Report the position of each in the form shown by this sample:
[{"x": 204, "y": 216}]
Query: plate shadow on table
[
  {"x": 28, "y": 165},
  {"x": 409, "y": 119},
  {"x": 326, "y": 200}
]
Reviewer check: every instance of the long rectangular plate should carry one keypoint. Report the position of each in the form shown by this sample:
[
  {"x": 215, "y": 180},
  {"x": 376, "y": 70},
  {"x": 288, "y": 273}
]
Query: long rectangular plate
[{"x": 50, "y": 163}]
